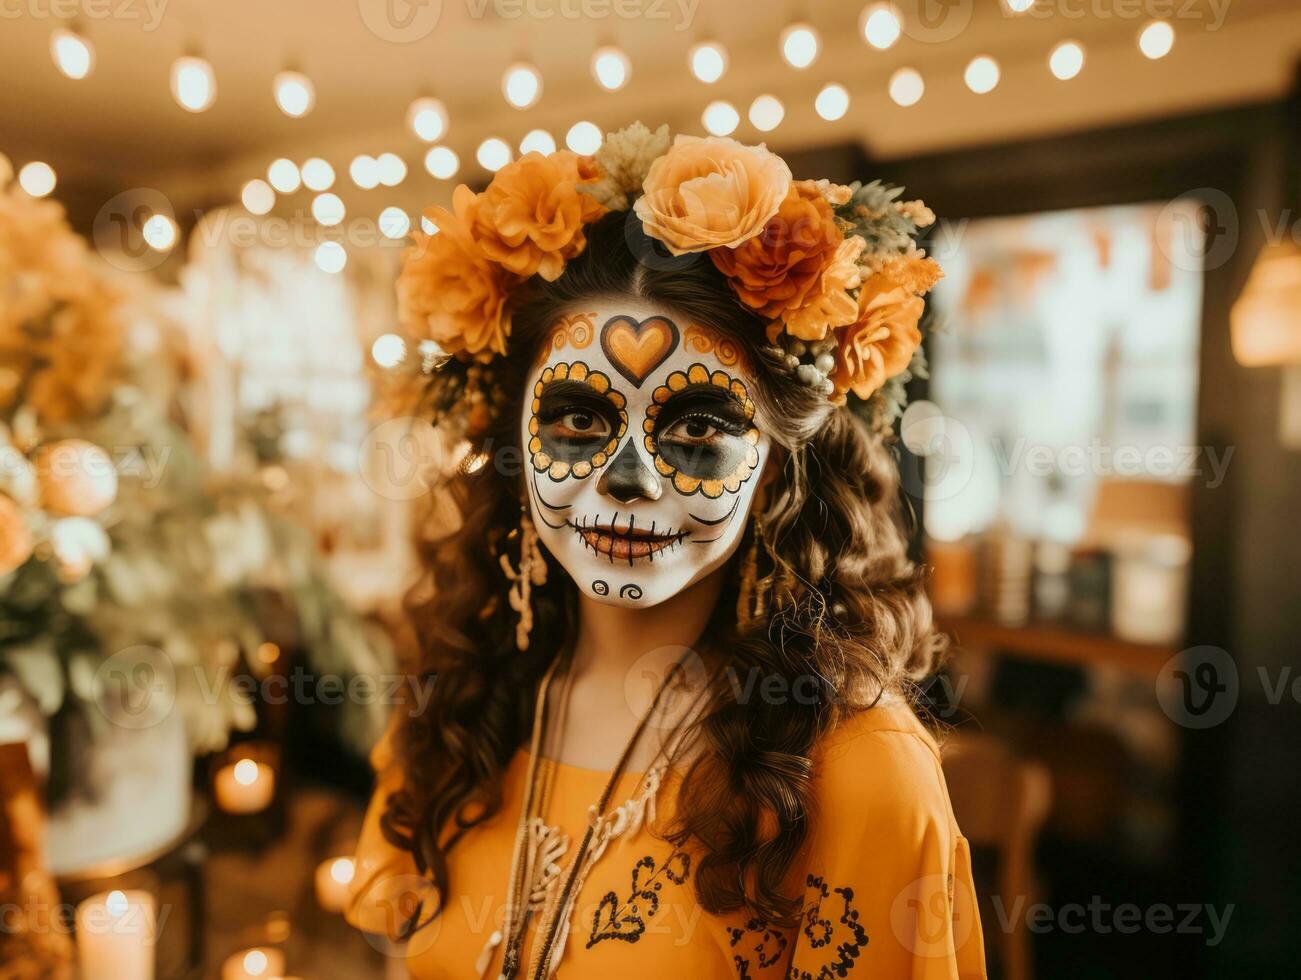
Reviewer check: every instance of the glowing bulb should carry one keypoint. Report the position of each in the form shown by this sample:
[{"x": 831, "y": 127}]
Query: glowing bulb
[
  {"x": 255, "y": 962},
  {"x": 522, "y": 85},
  {"x": 116, "y": 904},
  {"x": 1019, "y": 6},
  {"x": 767, "y": 113},
  {"x": 493, "y": 154},
  {"x": 708, "y": 61},
  {"x": 1067, "y": 60},
  {"x": 328, "y": 209},
  {"x": 907, "y": 87},
  {"x": 584, "y": 138},
  {"x": 73, "y": 53},
  {"x": 832, "y": 102},
  {"x": 258, "y": 197},
  {"x": 294, "y": 93},
  {"x": 1156, "y": 39},
  {"x": 317, "y": 174},
  {"x": 394, "y": 223},
  {"x": 194, "y": 83},
  {"x": 611, "y": 68},
  {"x": 427, "y": 118},
  {"x": 982, "y": 74},
  {"x": 364, "y": 171},
  {"x": 392, "y": 169},
  {"x": 428, "y": 227},
  {"x": 159, "y": 232},
  {"x": 442, "y": 162},
  {"x": 538, "y": 141},
  {"x": 343, "y": 870},
  {"x": 283, "y": 175},
  {"x": 800, "y": 44},
  {"x": 721, "y": 118},
  {"x": 388, "y": 351},
  {"x": 246, "y": 772},
  {"x": 37, "y": 178},
  {"x": 880, "y": 25},
  {"x": 330, "y": 257}
]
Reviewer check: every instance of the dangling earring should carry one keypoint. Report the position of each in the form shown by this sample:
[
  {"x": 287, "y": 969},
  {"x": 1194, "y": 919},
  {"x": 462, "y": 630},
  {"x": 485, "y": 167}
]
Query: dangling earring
[{"x": 532, "y": 571}]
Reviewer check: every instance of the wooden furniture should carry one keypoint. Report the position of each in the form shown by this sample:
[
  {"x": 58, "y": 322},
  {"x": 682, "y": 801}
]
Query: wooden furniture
[
  {"x": 1000, "y": 802},
  {"x": 1056, "y": 644}
]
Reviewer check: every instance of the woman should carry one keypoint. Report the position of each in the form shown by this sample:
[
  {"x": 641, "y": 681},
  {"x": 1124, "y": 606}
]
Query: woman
[{"x": 672, "y": 622}]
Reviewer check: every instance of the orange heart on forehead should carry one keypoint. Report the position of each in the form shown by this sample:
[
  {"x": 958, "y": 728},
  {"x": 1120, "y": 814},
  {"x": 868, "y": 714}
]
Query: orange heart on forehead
[{"x": 635, "y": 349}]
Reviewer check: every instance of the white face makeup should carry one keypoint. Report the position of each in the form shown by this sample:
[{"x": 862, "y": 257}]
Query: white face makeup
[{"x": 642, "y": 452}]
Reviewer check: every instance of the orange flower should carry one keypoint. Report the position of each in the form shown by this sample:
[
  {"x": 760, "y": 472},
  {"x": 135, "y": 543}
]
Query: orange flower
[
  {"x": 449, "y": 291},
  {"x": 828, "y": 304},
  {"x": 880, "y": 343},
  {"x": 711, "y": 193},
  {"x": 15, "y": 538},
  {"x": 774, "y": 271},
  {"x": 531, "y": 217}
]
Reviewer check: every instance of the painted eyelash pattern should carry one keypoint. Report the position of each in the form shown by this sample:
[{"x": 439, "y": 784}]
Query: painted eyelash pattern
[
  {"x": 584, "y": 525},
  {"x": 558, "y": 469},
  {"x": 698, "y": 374}
]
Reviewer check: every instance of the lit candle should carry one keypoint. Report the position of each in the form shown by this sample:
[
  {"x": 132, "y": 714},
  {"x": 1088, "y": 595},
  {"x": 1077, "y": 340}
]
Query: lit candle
[
  {"x": 332, "y": 880},
  {"x": 115, "y": 936},
  {"x": 245, "y": 787},
  {"x": 260, "y": 963}
]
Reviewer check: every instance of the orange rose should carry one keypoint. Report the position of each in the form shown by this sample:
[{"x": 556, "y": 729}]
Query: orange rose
[
  {"x": 880, "y": 343},
  {"x": 774, "y": 271},
  {"x": 531, "y": 217},
  {"x": 828, "y": 304},
  {"x": 711, "y": 193},
  {"x": 449, "y": 291},
  {"x": 15, "y": 538}
]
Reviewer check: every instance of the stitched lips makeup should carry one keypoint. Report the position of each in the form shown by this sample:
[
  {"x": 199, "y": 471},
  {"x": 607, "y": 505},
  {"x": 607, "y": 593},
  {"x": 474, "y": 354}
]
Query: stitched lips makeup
[{"x": 626, "y": 542}]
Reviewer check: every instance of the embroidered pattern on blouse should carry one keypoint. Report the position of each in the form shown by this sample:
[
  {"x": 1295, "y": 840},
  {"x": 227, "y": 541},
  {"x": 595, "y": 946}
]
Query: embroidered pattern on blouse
[
  {"x": 627, "y": 921},
  {"x": 819, "y": 931},
  {"x": 768, "y": 949}
]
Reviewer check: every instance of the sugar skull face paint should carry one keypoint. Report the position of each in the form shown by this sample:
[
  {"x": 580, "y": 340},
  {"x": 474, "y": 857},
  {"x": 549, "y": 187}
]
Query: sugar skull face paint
[{"x": 643, "y": 451}]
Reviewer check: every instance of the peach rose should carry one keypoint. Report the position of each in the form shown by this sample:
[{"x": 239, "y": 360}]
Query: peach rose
[
  {"x": 829, "y": 303},
  {"x": 15, "y": 538},
  {"x": 531, "y": 217},
  {"x": 449, "y": 291},
  {"x": 880, "y": 343},
  {"x": 711, "y": 193},
  {"x": 774, "y": 271}
]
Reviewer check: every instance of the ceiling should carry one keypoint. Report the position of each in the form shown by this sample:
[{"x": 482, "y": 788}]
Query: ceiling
[{"x": 120, "y": 127}]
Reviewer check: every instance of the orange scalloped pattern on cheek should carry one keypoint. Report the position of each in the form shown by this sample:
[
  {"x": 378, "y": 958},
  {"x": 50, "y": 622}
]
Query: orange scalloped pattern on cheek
[{"x": 558, "y": 469}]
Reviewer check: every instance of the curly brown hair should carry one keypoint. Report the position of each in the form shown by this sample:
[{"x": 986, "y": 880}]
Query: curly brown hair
[{"x": 856, "y": 621}]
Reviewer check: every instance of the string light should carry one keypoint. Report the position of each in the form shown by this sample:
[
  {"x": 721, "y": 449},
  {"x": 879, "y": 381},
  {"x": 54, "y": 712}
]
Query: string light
[
  {"x": 708, "y": 61},
  {"x": 258, "y": 197},
  {"x": 907, "y": 87},
  {"x": 295, "y": 94},
  {"x": 538, "y": 141},
  {"x": 880, "y": 25},
  {"x": 442, "y": 162},
  {"x": 331, "y": 257},
  {"x": 611, "y": 68},
  {"x": 194, "y": 83},
  {"x": 364, "y": 171},
  {"x": 388, "y": 350},
  {"x": 160, "y": 232},
  {"x": 72, "y": 52},
  {"x": 1066, "y": 60},
  {"x": 37, "y": 178},
  {"x": 328, "y": 209},
  {"x": 392, "y": 169},
  {"x": 1156, "y": 39},
  {"x": 427, "y": 226},
  {"x": 522, "y": 85},
  {"x": 721, "y": 118},
  {"x": 584, "y": 138},
  {"x": 1019, "y": 6},
  {"x": 493, "y": 154},
  {"x": 394, "y": 223},
  {"x": 982, "y": 74},
  {"x": 317, "y": 174},
  {"x": 832, "y": 102},
  {"x": 800, "y": 44},
  {"x": 767, "y": 113},
  {"x": 283, "y": 175},
  {"x": 427, "y": 118}
]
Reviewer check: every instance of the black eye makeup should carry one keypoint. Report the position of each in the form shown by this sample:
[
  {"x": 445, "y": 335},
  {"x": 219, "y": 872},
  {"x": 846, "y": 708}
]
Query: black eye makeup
[
  {"x": 700, "y": 430},
  {"x": 576, "y": 422}
]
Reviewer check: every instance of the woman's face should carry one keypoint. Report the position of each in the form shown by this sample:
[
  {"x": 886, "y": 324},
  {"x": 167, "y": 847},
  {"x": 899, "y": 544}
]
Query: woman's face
[{"x": 642, "y": 450}]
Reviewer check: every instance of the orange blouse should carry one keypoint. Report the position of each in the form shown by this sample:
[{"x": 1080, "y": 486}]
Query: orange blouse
[{"x": 885, "y": 875}]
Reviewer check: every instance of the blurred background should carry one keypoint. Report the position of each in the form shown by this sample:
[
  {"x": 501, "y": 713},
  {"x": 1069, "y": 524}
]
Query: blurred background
[{"x": 205, "y": 534}]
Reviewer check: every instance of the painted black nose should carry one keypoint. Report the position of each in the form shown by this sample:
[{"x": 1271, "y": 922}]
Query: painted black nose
[{"x": 627, "y": 478}]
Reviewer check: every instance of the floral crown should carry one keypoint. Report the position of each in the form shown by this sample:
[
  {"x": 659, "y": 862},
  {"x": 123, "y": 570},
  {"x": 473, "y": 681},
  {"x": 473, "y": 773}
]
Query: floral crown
[{"x": 834, "y": 270}]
